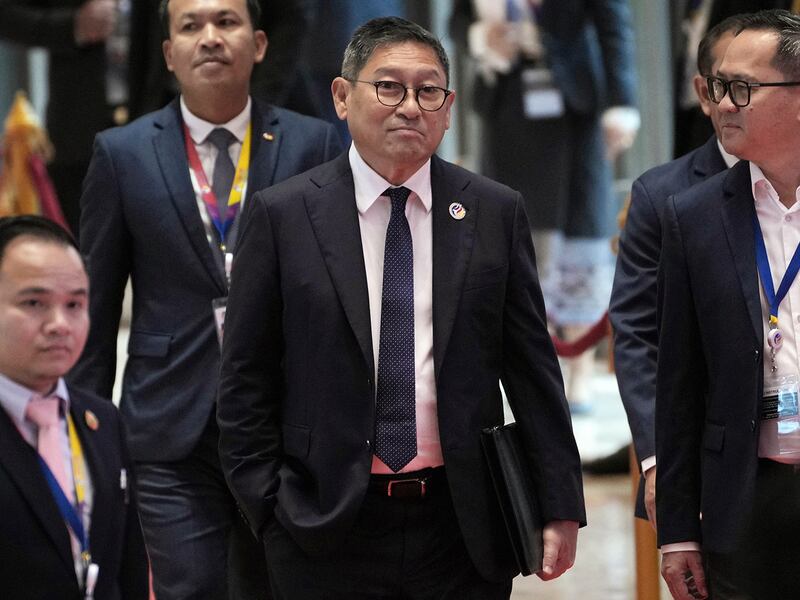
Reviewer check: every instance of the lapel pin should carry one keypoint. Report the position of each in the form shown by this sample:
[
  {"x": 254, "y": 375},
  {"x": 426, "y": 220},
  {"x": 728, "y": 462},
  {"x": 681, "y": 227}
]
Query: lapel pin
[
  {"x": 91, "y": 420},
  {"x": 268, "y": 136},
  {"x": 457, "y": 211}
]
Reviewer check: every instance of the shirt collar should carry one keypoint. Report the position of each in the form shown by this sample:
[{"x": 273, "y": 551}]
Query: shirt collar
[
  {"x": 14, "y": 397},
  {"x": 199, "y": 129},
  {"x": 369, "y": 185},
  {"x": 729, "y": 159}
]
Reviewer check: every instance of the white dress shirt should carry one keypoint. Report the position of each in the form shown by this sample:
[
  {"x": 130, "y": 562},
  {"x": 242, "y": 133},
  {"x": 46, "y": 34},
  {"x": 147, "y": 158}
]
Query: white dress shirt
[
  {"x": 207, "y": 152},
  {"x": 781, "y": 229},
  {"x": 374, "y": 211}
]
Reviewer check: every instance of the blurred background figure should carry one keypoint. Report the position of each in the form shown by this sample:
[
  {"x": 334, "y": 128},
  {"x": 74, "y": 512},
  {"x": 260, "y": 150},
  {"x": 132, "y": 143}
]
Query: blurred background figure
[
  {"x": 333, "y": 22},
  {"x": 87, "y": 78},
  {"x": 286, "y": 24},
  {"x": 555, "y": 86},
  {"x": 691, "y": 20}
]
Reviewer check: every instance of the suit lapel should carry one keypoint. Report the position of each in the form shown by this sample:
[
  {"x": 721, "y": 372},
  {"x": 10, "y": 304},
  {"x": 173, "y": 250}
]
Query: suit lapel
[
  {"x": 452, "y": 247},
  {"x": 170, "y": 152},
  {"x": 102, "y": 479},
  {"x": 21, "y": 462},
  {"x": 737, "y": 218},
  {"x": 334, "y": 218},
  {"x": 265, "y": 143},
  {"x": 707, "y": 162}
]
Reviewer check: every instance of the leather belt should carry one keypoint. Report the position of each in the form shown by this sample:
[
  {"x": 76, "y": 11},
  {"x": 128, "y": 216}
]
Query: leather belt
[{"x": 409, "y": 486}]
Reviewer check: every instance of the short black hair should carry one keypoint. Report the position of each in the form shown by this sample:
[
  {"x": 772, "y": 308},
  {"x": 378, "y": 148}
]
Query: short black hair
[
  {"x": 33, "y": 226},
  {"x": 388, "y": 31},
  {"x": 705, "y": 59},
  {"x": 786, "y": 26},
  {"x": 253, "y": 9}
]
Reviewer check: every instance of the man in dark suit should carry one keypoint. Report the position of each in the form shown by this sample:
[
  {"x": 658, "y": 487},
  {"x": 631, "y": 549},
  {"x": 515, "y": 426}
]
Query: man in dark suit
[
  {"x": 726, "y": 390},
  {"x": 364, "y": 349},
  {"x": 74, "y": 32},
  {"x": 44, "y": 322},
  {"x": 633, "y": 298},
  {"x": 160, "y": 204}
]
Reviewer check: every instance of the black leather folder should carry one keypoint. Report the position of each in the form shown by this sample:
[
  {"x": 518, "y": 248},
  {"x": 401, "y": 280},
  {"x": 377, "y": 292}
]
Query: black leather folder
[{"x": 515, "y": 492}]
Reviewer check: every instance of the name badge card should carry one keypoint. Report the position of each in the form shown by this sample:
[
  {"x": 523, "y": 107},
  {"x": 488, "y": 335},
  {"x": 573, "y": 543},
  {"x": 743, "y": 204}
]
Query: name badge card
[
  {"x": 541, "y": 99},
  {"x": 780, "y": 406}
]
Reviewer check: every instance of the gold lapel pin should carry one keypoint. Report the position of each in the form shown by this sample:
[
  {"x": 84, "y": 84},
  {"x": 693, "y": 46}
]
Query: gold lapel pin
[
  {"x": 92, "y": 422},
  {"x": 268, "y": 136}
]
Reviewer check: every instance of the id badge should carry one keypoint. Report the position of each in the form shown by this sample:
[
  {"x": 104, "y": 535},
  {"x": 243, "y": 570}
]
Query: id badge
[
  {"x": 779, "y": 412},
  {"x": 541, "y": 99},
  {"x": 219, "y": 306}
]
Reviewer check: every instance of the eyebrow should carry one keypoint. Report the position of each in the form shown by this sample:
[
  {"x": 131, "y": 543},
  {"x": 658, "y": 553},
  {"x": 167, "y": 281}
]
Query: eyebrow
[
  {"x": 391, "y": 71},
  {"x": 730, "y": 77},
  {"x": 224, "y": 12},
  {"x": 40, "y": 290}
]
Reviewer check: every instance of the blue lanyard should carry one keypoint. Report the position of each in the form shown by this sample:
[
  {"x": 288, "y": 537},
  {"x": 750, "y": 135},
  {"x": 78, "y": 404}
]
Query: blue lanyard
[
  {"x": 68, "y": 512},
  {"x": 764, "y": 271}
]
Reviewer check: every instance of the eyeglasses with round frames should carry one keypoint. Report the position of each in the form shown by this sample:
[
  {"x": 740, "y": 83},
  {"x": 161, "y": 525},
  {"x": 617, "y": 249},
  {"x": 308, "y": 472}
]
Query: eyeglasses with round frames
[
  {"x": 738, "y": 89},
  {"x": 430, "y": 98}
]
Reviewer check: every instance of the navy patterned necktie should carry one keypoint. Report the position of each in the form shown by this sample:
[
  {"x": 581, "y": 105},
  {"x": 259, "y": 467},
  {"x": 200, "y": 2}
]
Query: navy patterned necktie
[
  {"x": 395, "y": 407},
  {"x": 223, "y": 168}
]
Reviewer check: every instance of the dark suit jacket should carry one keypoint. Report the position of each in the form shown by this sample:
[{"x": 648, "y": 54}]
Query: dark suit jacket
[
  {"x": 633, "y": 298},
  {"x": 710, "y": 363},
  {"x": 296, "y": 405},
  {"x": 35, "y": 555},
  {"x": 140, "y": 218},
  {"x": 76, "y": 109}
]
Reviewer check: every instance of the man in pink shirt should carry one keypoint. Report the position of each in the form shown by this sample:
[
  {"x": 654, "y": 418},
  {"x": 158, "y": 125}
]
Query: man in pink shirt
[
  {"x": 727, "y": 423},
  {"x": 376, "y": 303}
]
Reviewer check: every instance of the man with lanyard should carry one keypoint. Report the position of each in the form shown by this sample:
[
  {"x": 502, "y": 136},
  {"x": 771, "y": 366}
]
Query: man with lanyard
[
  {"x": 727, "y": 424},
  {"x": 161, "y": 203},
  {"x": 69, "y": 527}
]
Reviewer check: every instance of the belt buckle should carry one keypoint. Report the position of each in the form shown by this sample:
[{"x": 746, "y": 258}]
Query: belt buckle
[{"x": 405, "y": 484}]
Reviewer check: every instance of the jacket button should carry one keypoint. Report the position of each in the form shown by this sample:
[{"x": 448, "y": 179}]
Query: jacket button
[
  {"x": 756, "y": 353},
  {"x": 752, "y": 425}
]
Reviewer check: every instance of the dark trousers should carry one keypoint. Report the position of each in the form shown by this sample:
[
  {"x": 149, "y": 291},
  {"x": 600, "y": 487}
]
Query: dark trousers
[
  {"x": 766, "y": 565},
  {"x": 199, "y": 546},
  {"x": 398, "y": 549}
]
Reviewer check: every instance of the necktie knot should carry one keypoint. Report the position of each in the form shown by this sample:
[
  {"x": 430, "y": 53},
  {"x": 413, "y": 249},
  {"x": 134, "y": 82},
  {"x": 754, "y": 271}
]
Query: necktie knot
[
  {"x": 398, "y": 196},
  {"x": 221, "y": 138},
  {"x": 42, "y": 412}
]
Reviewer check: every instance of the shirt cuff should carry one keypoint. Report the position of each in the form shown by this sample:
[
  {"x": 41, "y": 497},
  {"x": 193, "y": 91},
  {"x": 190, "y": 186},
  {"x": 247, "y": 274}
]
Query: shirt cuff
[
  {"x": 490, "y": 61},
  {"x": 648, "y": 463},
  {"x": 680, "y": 547},
  {"x": 625, "y": 118}
]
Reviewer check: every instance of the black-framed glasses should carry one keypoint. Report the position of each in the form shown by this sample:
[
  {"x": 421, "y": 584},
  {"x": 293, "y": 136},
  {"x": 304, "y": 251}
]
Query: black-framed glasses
[
  {"x": 739, "y": 90},
  {"x": 392, "y": 93}
]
